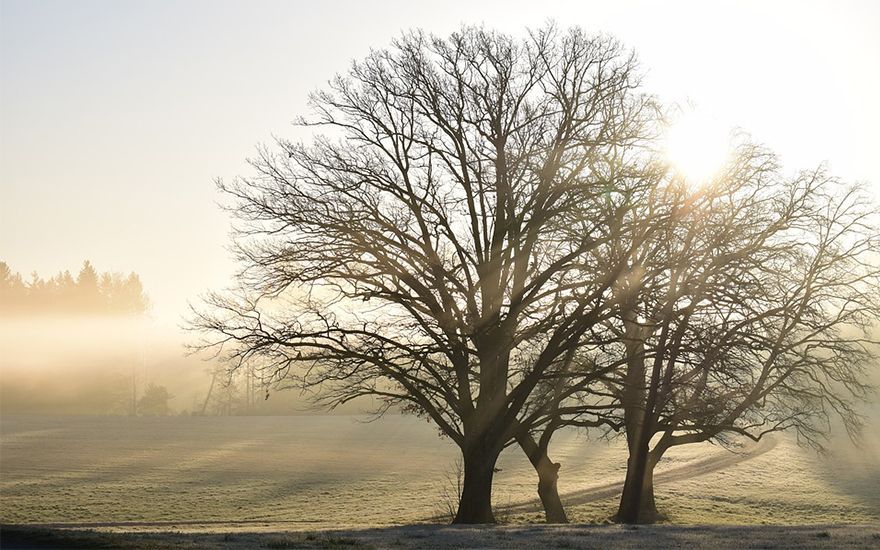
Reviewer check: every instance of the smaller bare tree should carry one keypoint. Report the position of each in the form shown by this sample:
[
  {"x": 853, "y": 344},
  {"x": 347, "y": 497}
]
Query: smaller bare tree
[{"x": 750, "y": 315}]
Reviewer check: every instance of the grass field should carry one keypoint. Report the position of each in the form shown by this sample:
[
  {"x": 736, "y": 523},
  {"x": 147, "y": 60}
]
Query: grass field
[{"x": 325, "y": 472}]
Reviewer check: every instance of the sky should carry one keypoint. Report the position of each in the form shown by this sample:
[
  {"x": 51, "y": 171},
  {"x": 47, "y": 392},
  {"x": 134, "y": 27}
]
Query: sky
[{"x": 116, "y": 117}]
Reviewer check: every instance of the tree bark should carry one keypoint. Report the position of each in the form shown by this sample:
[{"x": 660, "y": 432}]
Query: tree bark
[
  {"x": 638, "y": 506},
  {"x": 475, "y": 505},
  {"x": 548, "y": 475}
]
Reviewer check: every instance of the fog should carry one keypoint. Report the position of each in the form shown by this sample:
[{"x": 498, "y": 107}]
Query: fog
[
  {"x": 81, "y": 365},
  {"x": 861, "y": 457},
  {"x": 69, "y": 365},
  {"x": 86, "y": 365}
]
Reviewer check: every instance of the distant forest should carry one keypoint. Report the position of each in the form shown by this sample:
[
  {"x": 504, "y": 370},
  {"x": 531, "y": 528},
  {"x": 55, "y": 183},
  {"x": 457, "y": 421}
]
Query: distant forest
[{"x": 89, "y": 293}]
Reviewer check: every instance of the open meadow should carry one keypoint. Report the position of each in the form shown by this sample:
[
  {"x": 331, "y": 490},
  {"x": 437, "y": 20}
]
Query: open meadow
[{"x": 330, "y": 472}]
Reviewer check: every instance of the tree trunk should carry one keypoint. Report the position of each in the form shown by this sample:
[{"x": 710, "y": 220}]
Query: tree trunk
[
  {"x": 637, "y": 505},
  {"x": 548, "y": 474},
  {"x": 630, "y": 510},
  {"x": 547, "y": 490},
  {"x": 475, "y": 505}
]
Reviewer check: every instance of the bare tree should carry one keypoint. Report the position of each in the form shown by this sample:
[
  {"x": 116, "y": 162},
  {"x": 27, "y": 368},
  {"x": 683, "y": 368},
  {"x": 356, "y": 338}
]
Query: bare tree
[
  {"x": 436, "y": 246},
  {"x": 749, "y": 315}
]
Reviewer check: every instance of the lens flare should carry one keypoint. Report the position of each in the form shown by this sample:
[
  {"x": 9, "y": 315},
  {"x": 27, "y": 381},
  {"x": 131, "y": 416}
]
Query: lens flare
[{"x": 697, "y": 146}]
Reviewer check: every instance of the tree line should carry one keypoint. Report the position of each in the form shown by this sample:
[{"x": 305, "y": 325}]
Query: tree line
[
  {"x": 90, "y": 292},
  {"x": 483, "y": 231}
]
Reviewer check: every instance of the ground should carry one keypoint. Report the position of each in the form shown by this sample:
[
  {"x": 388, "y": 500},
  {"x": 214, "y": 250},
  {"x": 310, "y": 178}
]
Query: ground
[
  {"x": 337, "y": 482},
  {"x": 441, "y": 537},
  {"x": 313, "y": 472}
]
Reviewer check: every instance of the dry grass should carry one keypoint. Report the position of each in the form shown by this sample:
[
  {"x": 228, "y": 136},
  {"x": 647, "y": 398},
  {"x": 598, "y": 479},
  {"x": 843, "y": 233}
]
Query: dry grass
[{"x": 306, "y": 473}]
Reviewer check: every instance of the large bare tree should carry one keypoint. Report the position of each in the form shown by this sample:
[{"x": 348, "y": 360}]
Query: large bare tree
[
  {"x": 434, "y": 244},
  {"x": 750, "y": 314}
]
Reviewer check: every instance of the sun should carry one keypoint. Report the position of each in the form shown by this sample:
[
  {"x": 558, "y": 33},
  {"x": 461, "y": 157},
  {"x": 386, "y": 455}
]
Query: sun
[{"x": 697, "y": 146}]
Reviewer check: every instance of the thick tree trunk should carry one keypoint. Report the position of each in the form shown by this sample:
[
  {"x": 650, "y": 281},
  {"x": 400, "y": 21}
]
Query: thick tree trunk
[
  {"x": 641, "y": 422},
  {"x": 548, "y": 474},
  {"x": 475, "y": 505},
  {"x": 485, "y": 430},
  {"x": 637, "y": 504},
  {"x": 633, "y": 400},
  {"x": 628, "y": 509}
]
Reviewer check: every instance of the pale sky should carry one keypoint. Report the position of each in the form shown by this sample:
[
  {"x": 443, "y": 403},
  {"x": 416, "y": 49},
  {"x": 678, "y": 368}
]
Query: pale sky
[{"x": 116, "y": 116}]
